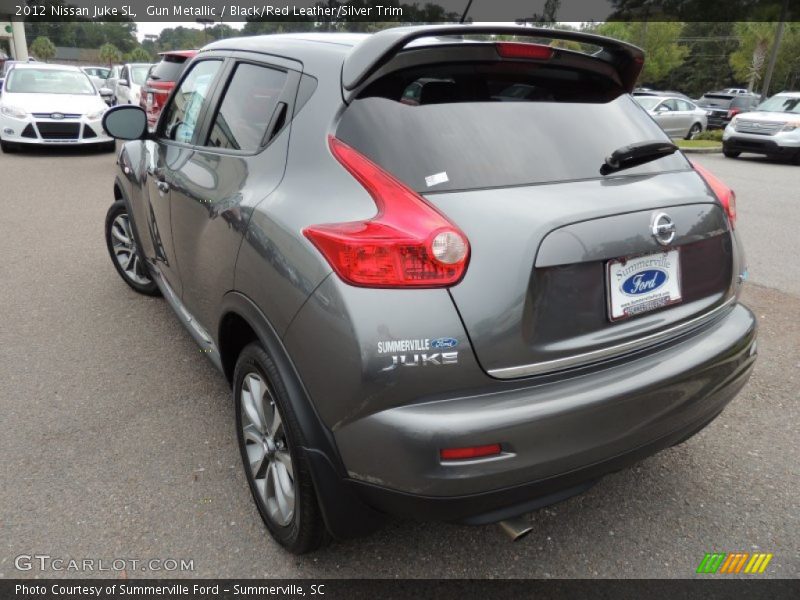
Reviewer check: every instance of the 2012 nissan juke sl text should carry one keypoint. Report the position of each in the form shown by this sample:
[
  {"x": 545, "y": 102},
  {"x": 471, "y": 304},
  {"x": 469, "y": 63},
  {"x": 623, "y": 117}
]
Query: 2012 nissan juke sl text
[{"x": 447, "y": 277}]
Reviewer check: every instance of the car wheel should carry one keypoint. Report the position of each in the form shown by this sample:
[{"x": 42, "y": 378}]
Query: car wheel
[
  {"x": 694, "y": 131},
  {"x": 730, "y": 153},
  {"x": 270, "y": 439},
  {"x": 124, "y": 252},
  {"x": 8, "y": 147}
]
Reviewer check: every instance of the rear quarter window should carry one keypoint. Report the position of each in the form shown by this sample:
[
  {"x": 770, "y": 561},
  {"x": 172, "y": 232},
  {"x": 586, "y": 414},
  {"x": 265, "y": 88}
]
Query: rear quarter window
[{"x": 169, "y": 68}]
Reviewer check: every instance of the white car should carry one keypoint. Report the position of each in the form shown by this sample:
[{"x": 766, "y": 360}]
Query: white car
[
  {"x": 98, "y": 75},
  {"x": 676, "y": 116},
  {"x": 773, "y": 129},
  {"x": 51, "y": 105},
  {"x": 131, "y": 81}
]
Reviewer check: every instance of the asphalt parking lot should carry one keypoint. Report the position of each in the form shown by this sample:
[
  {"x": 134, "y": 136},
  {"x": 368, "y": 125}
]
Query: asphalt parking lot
[{"x": 118, "y": 438}]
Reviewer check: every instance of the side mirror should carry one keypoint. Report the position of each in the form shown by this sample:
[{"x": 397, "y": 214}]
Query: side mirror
[
  {"x": 126, "y": 122},
  {"x": 123, "y": 82}
]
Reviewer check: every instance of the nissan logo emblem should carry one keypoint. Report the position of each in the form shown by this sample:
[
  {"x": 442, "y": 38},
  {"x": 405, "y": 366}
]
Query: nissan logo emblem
[{"x": 663, "y": 229}]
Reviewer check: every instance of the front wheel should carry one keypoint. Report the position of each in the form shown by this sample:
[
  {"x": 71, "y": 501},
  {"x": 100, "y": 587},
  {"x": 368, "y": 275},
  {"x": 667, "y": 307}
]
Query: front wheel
[
  {"x": 8, "y": 147},
  {"x": 694, "y": 131},
  {"x": 270, "y": 439},
  {"x": 730, "y": 153},
  {"x": 124, "y": 252}
]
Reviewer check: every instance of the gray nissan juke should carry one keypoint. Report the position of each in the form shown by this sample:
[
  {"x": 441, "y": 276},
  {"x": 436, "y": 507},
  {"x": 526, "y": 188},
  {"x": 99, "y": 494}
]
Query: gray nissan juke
[{"x": 451, "y": 272}]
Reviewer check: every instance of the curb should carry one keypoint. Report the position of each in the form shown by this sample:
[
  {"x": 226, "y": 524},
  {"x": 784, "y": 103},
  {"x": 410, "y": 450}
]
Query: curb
[{"x": 701, "y": 150}]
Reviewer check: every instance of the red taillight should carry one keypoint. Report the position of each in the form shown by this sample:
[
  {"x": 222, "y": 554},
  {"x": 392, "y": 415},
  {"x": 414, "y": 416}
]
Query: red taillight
[
  {"x": 407, "y": 244},
  {"x": 733, "y": 112},
  {"x": 726, "y": 195},
  {"x": 469, "y": 452},
  {"x": 529, "y": 51}
]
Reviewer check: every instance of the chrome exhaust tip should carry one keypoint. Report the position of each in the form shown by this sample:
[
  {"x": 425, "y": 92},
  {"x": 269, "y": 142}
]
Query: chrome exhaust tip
[{"x": 518, "y": 527}]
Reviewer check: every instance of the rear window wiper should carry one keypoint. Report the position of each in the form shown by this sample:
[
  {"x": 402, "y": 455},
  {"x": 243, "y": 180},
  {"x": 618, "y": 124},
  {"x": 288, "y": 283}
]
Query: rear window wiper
[{"x": 636, "y": 154}]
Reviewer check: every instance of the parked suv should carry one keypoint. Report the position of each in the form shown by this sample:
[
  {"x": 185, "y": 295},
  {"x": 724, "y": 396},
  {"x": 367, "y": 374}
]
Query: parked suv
[
  {"x": 160, "y": 81},
  {"x": 458, "y": 309},
  {"x": 772, "y": 129},
  {"x": 723, "y": 106}
]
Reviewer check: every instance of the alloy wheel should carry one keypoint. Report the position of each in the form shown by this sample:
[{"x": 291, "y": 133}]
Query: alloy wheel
[
  {"x": 125, "y": 251},
  {"x": 268, "y": 456}
]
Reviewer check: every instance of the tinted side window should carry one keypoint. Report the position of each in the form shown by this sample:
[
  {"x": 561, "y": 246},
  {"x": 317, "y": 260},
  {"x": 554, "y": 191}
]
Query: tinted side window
[
  {"x": 182, "y": 113},
  {"x": 684, "y": 105},
  {"x": 247, "y": 108},
  {"x": 671, "y": 104}
]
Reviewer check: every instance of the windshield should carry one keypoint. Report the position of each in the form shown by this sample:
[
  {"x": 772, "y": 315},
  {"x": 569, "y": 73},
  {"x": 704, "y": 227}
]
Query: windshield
[
  {"x": 784, "y": 104},
  {"x": 647, "y": 102},
  {"x": 48, "y": 81},
  {"x": 139, "y": 74}
]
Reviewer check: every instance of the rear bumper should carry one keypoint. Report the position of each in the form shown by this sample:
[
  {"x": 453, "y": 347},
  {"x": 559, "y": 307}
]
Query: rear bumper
[{"x": 557, "y": 438}]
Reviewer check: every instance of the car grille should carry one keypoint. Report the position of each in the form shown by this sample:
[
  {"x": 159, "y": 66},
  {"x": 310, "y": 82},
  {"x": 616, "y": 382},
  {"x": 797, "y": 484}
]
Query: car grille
[
  {"x": 758, "y": 127},
  {"x": 58, "y": 131},
  {"x": 50, "y": 115}
]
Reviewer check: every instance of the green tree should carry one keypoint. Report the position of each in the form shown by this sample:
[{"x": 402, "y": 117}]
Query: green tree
[
  {"x": 139, "y": 54},
  {"x": 658, "y": 39},
  {"x": 42, "y": 48},
  {"x": 749, "y": 61},
  {"x": 706, "y": 66},
  {"x": 110, "y": 54}
]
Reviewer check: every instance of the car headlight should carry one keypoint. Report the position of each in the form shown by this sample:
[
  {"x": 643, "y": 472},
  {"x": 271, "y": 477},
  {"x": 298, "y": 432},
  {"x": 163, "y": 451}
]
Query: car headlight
[
  {"x": 13, "y": 111},
  {"x": 709, "y": 113},
  {"x": 791, "y": 126},
  {"x": 96, "y": 114}
]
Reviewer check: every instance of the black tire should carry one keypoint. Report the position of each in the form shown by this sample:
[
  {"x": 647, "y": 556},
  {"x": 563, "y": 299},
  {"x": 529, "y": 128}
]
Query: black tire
[
  {"x": 305, "y": 531},
  {"x": 8, "y": 147},
  {"x": 730, "y": 153},
  {"x": 694, "y": 130},
  {"x": 145, "y": 284}
]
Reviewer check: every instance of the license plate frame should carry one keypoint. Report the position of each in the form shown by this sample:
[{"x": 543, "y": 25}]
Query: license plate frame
[{"x": 646, "y": 294}]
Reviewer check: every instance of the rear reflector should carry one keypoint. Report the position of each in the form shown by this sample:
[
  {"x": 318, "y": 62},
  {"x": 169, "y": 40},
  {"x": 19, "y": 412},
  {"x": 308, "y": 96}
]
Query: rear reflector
[
  {"x": 469, "y": 452},
  {"x": 529, "y": 51},
  {"x": 724, "y": 194},
  {"x": 407, "y": 244}
]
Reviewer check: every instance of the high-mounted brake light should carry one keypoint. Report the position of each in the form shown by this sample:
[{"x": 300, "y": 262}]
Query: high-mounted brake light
[
  {"x": 470, "y": 452},
  {"x": 529, "y": 51},
  {"x": 724, "y": 194},
  {"x": 407, "y": 244}
]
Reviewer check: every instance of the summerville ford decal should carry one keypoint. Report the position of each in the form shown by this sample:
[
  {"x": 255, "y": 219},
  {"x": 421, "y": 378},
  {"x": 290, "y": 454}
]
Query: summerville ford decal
[{"x": 420, "y": 352}]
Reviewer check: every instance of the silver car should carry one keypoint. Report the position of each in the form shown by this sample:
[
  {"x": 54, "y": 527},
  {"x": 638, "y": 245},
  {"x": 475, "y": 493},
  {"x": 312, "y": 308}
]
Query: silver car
[
  {"x": 772, "y": 129},
  {"x": 676, "y": 116}
]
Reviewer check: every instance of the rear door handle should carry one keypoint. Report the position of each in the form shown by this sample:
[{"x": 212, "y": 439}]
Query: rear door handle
[{"x": 162, "y": 186}]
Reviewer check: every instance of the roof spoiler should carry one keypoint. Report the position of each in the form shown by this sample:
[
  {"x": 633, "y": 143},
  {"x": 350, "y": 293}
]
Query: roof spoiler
[{"x": 378, "y": 49}]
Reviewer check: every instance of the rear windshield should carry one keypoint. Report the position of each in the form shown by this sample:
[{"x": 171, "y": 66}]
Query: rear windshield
[
  {"x": 459, "y": 127},
  {"x": 169, "y": 69}
]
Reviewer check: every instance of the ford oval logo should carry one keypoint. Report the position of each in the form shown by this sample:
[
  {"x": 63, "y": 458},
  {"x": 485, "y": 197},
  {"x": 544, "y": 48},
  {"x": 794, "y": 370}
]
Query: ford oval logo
[
  {"x": 444, "y": 343},
  {"x": 57, "y": 116},
  {"x": 644, "y": 282}
]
